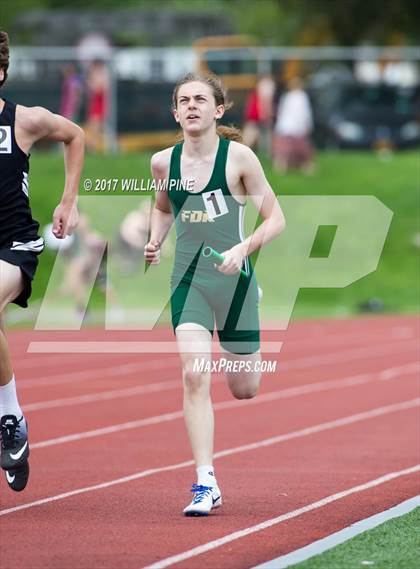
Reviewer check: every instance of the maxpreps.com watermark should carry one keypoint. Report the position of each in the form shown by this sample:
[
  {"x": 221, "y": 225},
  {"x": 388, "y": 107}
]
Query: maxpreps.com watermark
[
  {"x": 133, "y": 185},
  {"x": 203, "y": 365}
]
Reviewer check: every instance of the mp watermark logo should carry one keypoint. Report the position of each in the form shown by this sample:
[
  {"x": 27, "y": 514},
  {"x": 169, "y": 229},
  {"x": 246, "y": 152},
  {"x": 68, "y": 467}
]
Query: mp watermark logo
[{"x": 140, "y": 300}]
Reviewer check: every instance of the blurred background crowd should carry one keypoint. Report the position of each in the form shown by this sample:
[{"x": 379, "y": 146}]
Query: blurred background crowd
[
  {"x": 346, "y": 74},
  {"x": 305, "y": 77}
]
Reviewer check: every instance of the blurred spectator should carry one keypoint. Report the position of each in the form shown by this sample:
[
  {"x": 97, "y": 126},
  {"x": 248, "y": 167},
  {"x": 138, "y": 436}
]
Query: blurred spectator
[
  {"x": 71, "y": 92},
  {"x": 390, "y": 72},
  {"x": 133, "y": 236},
  {"x": 367, "y": 71},
  {"x": 98, "y": 84},
  {"x": 292, "y": 146},
  {"x": 400, "y": 73},
  {"x": 82, "y": 251},
  {"x": 259, "y": 114}
]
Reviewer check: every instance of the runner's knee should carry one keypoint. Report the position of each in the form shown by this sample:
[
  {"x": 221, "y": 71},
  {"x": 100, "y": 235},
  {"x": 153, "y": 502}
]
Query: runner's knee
[
  {"x": 245, "y": 388},
  {"x": 195, "y": 380},
  {"x": 245, "y": 393},
  {"x": 11, "y": 284}
]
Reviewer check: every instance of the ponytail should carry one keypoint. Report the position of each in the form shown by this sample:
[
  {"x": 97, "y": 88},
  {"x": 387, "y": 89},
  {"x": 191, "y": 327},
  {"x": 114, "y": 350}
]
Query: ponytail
[{"x": 229, "y": 132}]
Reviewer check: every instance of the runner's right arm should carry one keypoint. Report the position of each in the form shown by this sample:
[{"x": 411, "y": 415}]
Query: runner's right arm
[{"x": 162, "y": 216}]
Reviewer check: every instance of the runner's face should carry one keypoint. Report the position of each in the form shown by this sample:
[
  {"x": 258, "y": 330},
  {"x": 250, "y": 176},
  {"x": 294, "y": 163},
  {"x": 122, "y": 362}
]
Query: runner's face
[{"x": 196, "y": 107}]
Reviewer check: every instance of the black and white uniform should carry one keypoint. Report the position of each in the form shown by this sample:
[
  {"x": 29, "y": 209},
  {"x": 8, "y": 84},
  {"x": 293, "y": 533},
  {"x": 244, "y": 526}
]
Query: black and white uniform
[{"x": 20, "y": 243}]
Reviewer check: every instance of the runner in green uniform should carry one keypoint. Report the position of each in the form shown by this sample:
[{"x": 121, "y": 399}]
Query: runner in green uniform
[
  {"x": 207, "y": 179},
  {"x": 201, "y": 294}
]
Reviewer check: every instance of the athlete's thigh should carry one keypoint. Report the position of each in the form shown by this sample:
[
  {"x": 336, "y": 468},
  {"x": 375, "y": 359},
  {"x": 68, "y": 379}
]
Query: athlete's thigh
[
  {"x": 194, "y": 341},
  {"x": 189, "y": 305},
  {"x": 193, "y": 322},
  {"x": 11, "y": 283},
  {"x": 239, "y": 332}
]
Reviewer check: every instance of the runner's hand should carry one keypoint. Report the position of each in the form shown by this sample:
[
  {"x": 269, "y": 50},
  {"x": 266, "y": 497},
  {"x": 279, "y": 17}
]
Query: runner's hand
[
  {"x": 233, "y": 262},
  {"x": 65, "y": 220},
  {"x": 152, "y": 252}
]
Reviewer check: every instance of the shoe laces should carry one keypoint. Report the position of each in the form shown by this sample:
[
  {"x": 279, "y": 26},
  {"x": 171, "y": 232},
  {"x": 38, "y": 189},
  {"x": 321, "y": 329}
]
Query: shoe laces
[
  {"x": 9, "y": 434},
  {"x": 200, "y": 492}
]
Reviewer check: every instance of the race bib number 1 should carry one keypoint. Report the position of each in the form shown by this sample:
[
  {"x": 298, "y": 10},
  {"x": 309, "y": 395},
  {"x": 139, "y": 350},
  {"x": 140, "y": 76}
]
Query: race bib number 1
[
  {"x": 215, "y": 203},
  {"x": 5, "y": 140}
]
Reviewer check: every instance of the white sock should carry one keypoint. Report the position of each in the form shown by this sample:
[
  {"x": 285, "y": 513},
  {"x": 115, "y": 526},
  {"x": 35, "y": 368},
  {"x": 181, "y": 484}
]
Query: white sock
[
  {"x": 205, "y": 475},
  {"x": 9, "y": 404}
]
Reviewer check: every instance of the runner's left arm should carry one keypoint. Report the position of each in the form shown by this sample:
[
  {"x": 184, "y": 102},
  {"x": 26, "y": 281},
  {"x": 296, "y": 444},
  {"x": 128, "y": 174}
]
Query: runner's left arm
[
  {"x": 46, "y": 125},
  {"x": 261, "y": 194}
]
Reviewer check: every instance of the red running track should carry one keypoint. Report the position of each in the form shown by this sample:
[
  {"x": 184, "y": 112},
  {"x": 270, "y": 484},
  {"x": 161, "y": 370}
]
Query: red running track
[{"x": 340, "y": 411}]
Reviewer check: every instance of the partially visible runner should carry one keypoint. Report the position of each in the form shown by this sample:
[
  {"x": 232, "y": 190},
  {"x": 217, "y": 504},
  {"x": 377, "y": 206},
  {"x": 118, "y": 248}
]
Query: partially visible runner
[
  {"x": 20, "y": 244},
  {"x": 224, "y": 173}
]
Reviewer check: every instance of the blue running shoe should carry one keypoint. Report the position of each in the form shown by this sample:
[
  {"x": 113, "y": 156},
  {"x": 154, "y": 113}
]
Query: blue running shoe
[{"x": 206, "y": 498}]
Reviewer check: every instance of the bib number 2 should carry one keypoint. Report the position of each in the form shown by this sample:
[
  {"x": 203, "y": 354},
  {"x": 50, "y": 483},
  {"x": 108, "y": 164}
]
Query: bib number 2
[{"x": 5, "y": 140}]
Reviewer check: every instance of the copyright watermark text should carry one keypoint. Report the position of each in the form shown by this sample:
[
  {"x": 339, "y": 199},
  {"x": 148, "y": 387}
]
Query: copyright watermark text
[{"x": 130, "y": 185}]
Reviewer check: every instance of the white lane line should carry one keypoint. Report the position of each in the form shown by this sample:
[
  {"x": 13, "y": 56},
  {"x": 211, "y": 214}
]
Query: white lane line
[
  {"x": 377, "y": 412},
  {"x": 157, "y": 419},
  {"x": 119, "y": 370},
  {"x": 321, "y": 545},
  {"x": 348, "y": 355},
  {"x": 99, "y": 373},
  {"x": 299, "y": 363},
  {"x": 124, "y": 347},
  {"x": 393, "y": 372},
  {"x": 211, "y": 545},
  {"x": 231, "y": 404},
  {"x": 103, "y": 395},
  {"x": 127, "y": 347},
  {"x": 294, "y": 344},
  {"x": 412, "y": 403},
  {"x": 309, "y": 332}
]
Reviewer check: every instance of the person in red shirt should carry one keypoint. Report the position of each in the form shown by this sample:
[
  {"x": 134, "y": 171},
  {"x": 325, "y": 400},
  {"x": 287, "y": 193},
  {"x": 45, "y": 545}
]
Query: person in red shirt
[
  {"x": 98, "y": 83},
  {"x": 259, "y": 114}
]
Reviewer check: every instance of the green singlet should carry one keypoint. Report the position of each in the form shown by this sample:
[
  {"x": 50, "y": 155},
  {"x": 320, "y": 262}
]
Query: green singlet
[{"x": 199, "y": 292}]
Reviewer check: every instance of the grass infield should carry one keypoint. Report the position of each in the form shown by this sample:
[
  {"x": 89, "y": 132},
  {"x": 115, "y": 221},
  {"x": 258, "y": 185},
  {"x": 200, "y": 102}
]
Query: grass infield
[{"x": 394, "y": 544}]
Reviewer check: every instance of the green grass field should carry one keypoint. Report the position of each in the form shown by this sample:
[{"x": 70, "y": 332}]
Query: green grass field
[
  {"x": 395, "y": 182},
  {"x": 392, "y": 545}
]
